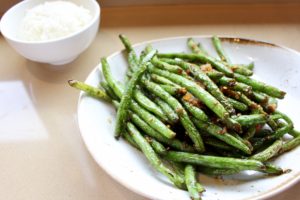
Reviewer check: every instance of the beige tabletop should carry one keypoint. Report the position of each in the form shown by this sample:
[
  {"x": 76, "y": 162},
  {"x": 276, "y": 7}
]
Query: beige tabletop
[{"x": 42, "y": 154}]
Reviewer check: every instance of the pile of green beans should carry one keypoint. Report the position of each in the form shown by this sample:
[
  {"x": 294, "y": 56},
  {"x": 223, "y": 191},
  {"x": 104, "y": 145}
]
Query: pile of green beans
[{"x": 191, "y": 113}]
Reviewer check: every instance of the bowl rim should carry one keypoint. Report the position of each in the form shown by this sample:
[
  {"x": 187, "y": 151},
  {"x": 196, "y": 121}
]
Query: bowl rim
[
  {"x": 262, "y": 196},
  {"x": 16, "y": 40}
]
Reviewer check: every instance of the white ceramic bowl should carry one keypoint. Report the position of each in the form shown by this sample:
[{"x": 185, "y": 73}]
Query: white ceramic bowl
[{"x": 59, "y": 51}]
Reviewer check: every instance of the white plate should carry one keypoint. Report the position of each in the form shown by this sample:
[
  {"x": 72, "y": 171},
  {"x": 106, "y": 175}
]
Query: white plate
[{"x": 275, "y": 65}]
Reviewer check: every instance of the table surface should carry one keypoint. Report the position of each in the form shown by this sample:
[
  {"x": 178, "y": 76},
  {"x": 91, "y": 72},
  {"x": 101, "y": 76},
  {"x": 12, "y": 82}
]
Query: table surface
[{"x": 42, "y": 153}]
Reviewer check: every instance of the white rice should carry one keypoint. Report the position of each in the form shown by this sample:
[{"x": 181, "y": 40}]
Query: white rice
[{"x": 53, "y": 20}]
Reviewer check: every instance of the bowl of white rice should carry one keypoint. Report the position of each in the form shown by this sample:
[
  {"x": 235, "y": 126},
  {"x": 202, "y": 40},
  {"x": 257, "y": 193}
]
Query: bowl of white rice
[{"x": 52, "y": 31}]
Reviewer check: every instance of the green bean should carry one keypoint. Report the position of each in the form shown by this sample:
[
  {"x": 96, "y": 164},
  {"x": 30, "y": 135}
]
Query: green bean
[
  {"x": 174, "y": 90},
  {"x": 217, "y": 143},
  {"x": 152, "y": 120},
  {"x": 148, "y": 48},
  {"x": 237, "y": 105},
  {"x": 116, "y": 104},
  {"x": 195, "y": 111},
  {"x": 190, "y": 181},
  {"x": 162, "y": 80},
  {"x": 133, "y": 62},
  {"x": 214, "y": 75},
  {"x": 253, "y": 119},
  {"x": 202, "y": 58},
  {"x": 285, "y": 117},
  {"x": 193, "y": 46},
  {"x": 118, "y": 90},
  {"x": 259, "y": 97},
  {"x": 196, "y": 47},
  {"x": 152, "y": 157},
  {"x": 240, "y": 69},
  {"x": 148, "y": 56},
  {"x": 232, "y": 83},
  {"x": 132, "y": 57},
  {"x": 218, "y": 46},
  {"x": 272, "y": 169},
  {"x": 246, "y": 142},
  {"x": 222, "y": 134},
  {"x": 281, "y": 131},
  {"x": 143, "y": 55},
  {"x": 122, "y": 113},
  {"x": 129, "y": 139},
  {"x": 175, "y": 143},
  {"x": 196, "y": 90},
  {"x": 183, "y": 116},
  {"x": 260, "y": 86},
  {"x": 294, "y": 133},
  {"x": 108, "y": 90},
  {"x": 169, "y": 112},
  {"x": 126, "y": 43},
  {"x": 92, "y": 91},
  {"x": 166, "y": 66},
  {"x": 128, "y": 75},
  {"x": 289, "y": 145},
  {"x": 217, "y": 171},
  {"x": 149, "y": 105},
  {"x": 200, "y": 188},
  {"x": 269, "y": 152},
  {"x": 249, "y": 66},
  {"x": 215, "y": 161},
  {"x": 157, "y": 146}
]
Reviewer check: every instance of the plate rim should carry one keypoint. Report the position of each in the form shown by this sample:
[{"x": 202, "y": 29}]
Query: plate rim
[{"x": 265, "y": 195}]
